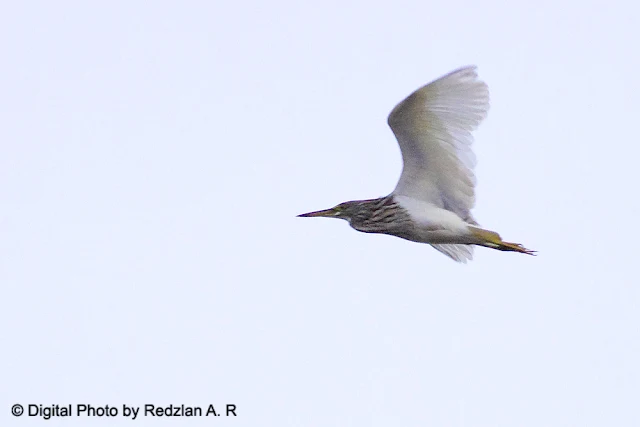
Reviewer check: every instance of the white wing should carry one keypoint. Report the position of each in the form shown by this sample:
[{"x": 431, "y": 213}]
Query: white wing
[
  {"x": 433, "y": 127},
  {"x": 460, "y": 253}
]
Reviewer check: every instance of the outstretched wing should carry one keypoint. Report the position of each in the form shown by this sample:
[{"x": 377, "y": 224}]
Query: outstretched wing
[
  {"x": 460, "y": 253},
  {"x": 433, "y": 126}
]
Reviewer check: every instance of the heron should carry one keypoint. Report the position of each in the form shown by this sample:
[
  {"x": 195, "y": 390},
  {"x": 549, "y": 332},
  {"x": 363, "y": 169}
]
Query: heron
[{"x": 435, "y": 194}]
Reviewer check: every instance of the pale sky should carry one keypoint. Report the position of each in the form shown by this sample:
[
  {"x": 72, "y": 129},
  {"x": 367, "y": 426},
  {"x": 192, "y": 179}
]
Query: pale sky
[{"x": 154, "y": 157}]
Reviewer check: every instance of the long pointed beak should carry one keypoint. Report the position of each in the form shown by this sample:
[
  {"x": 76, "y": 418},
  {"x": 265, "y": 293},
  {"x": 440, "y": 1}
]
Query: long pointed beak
[{"x": 326, "y": 213}]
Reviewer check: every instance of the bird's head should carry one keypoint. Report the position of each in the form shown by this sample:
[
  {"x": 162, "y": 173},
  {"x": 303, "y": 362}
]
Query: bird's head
[{"x": 370, "y": 216}]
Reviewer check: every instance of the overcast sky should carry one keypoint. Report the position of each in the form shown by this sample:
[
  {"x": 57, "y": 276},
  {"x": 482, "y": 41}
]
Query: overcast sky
[{"x": 154, "y": 157}]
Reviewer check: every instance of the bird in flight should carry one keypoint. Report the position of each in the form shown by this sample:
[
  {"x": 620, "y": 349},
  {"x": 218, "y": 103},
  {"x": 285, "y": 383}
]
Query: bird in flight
[{"x": 433, "y": 199}]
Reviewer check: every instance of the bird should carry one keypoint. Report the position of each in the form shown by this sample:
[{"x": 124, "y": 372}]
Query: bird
[{"x": 435, "y": 194}]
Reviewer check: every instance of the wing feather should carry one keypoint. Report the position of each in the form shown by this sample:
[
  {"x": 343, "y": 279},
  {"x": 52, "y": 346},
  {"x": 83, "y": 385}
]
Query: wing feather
[
  {"x": 460, "y": 253},
  {"x": 433, "y": 127}
]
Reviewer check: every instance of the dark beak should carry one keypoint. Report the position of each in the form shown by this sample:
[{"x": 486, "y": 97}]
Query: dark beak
[{"x": 326, "y": 213}]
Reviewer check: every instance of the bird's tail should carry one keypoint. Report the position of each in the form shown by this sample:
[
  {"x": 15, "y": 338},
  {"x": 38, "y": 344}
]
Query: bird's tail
[{"x": 491, "y": 239}]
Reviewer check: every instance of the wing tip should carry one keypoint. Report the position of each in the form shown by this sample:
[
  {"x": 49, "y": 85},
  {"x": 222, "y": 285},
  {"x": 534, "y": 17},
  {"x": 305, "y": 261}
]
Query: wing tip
[{"x": 457, "y": 252}]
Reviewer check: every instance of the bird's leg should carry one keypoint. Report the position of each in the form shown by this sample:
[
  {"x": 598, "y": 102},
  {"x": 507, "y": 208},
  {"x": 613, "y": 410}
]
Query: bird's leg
[
  {"x": 491, "y": 239},
  {"x": 514, "y": 247}
]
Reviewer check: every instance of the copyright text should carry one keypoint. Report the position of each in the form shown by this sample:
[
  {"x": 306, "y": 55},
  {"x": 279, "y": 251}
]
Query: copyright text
[{"x": 133, "y": 412}]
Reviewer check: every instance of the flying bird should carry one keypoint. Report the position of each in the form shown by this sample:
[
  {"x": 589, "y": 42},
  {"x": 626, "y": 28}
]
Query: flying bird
[{"x": 433, "y": 199}]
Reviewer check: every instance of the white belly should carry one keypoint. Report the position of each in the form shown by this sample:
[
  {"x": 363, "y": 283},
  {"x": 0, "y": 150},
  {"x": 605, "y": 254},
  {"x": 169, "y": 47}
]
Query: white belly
[{"x": 435, "y": 224}]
